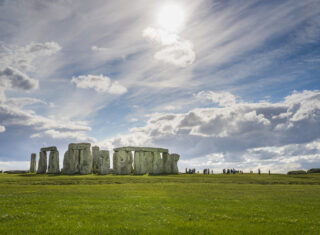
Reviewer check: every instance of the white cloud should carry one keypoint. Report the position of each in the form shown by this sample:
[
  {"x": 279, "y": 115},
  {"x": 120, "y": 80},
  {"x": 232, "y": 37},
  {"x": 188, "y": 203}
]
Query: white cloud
[
  {"x": 2, "y": 129},
  {"x": 176, "y": 51},
  {"x": 22, "y": 58},
  {"x": 160, "y": 36},
  {"x": 20, "y": 102},
  {"x": 65, "y": 135},
  {"x": 100, "y": 83},
  {"x": 245, "y": 133},
  {"x": 221, "y": 98},
  {"x": 180, "y": 54},
  {"x": 12, "y": 114}
]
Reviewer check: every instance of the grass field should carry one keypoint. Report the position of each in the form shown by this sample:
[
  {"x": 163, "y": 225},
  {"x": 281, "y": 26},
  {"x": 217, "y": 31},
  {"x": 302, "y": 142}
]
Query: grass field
[{"x": 179, "y": 204}]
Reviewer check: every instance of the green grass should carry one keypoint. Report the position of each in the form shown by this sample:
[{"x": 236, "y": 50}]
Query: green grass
[{"x": 178, "y": 204}]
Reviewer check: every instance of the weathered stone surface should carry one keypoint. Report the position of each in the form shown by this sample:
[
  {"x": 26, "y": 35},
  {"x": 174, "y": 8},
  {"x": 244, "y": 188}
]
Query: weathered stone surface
[
  {"x": 144, "y": 149},
  {"x": 33, "y": 163},
  {"x": 85, "y": 161},
  {"x": 157, "y": 164},
  {"x": 115, "y": 162},
  {"x": 103, "y": 163},
  {"x": 140, "y": 163},
  {"x": 123, "y": 162},
  {"x": 51, "y": 148},
  {"x": 79, "y": 146},
  {"x": 78, "y": 159},
  {"x": 149, "y": 161},
  {"x": 167, "y": 163},
  {"x": 95, "y": 156},
  {"x": 42, "y": 164},
  {"x": 174, "y": 166},
  {"x": 53, "y": 167},
  {"x": 71, "y": 162}
]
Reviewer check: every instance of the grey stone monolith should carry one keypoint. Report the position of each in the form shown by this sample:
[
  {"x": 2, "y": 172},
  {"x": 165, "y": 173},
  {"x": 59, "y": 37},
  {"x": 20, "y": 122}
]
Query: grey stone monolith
[
  {"x": 115, "y": 162},
  {"x": 174, "y": 166},
  {"x": 167, "y": 163},
  {"x": 103, "y": 162},
  {"x": 157, "y": 164},
  {"x": 140, "y": 163},
  {"x": 123, "y": 164},
  {"x": 86, "y": 160},
  {"x": 42, "y": 164},
  {"x": 71, "y": 162},
  {"x": 95, "y": 157},
  {"x": 53, "y": 167},
  {"x": 149, "y": 162},
  {"x": 33, "y": 163}
]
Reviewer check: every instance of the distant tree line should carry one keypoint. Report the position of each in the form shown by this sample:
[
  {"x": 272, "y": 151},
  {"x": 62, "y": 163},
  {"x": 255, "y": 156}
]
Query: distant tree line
[{"x": 302, "y": 172}]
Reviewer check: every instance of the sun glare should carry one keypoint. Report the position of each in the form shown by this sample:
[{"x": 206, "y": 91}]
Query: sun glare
[{"x": 171, "y": 18}]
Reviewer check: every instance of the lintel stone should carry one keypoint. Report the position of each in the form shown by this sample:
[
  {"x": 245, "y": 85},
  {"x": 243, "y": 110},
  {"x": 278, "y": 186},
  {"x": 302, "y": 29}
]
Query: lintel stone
[
  {"x": 144, "y": 149},
  {"x": 51, "y": 148}
]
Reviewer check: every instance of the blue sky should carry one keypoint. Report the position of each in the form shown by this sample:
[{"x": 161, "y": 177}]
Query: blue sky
[{"x": 223, "y": 83}]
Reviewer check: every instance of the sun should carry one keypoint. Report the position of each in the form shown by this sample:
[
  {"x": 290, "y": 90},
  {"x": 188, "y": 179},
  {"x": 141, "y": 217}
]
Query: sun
[{"x": 171, "y": 18}]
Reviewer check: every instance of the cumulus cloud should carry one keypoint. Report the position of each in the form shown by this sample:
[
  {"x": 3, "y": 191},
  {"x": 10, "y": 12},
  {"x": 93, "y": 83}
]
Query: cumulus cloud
[
  {"x": 100, "y": 83},
  {"x": 174, "y": 50},
  {"x": 180, "y": 54},
  {"x": 2, "y": 129},
  {"x": 13, "y": 78},
  {"x": 244, "y": 134}
]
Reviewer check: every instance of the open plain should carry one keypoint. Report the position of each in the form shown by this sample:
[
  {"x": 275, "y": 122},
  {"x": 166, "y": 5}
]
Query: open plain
[{"x": 172, "y": 204}]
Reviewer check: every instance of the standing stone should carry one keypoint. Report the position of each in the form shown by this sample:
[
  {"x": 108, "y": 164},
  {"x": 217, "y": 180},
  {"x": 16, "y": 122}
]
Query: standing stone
[
  {"x": 54, "y": 163},
  {"x": 140, "y": 163},
  {"x": 33, "y": 163},
  {"x": 167, "y": 163},
  {"x": 95, "y": 156},
  {"x": 71, "y": 162},
  {"x": 174, "y": 166},
  {"x": 123, "y": 162},
  {"x": 86, "y": 161},
  {"x": 103, "y": 162},
  {"x": 42, "y": 164},
  {"x": 157, "y": 163},
  {"x": 149, "y": 161},
  {"x": 66, "y": 163},
  {"x": 115, "y": 162}
]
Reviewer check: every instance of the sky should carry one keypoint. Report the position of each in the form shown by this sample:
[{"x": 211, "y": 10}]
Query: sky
[{"x": 226, "y": 84}]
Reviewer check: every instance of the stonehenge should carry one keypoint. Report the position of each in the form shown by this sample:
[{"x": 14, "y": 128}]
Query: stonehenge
[
  {"x": 79, "y": 159},
  {"x": 53, "y": 167}
]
